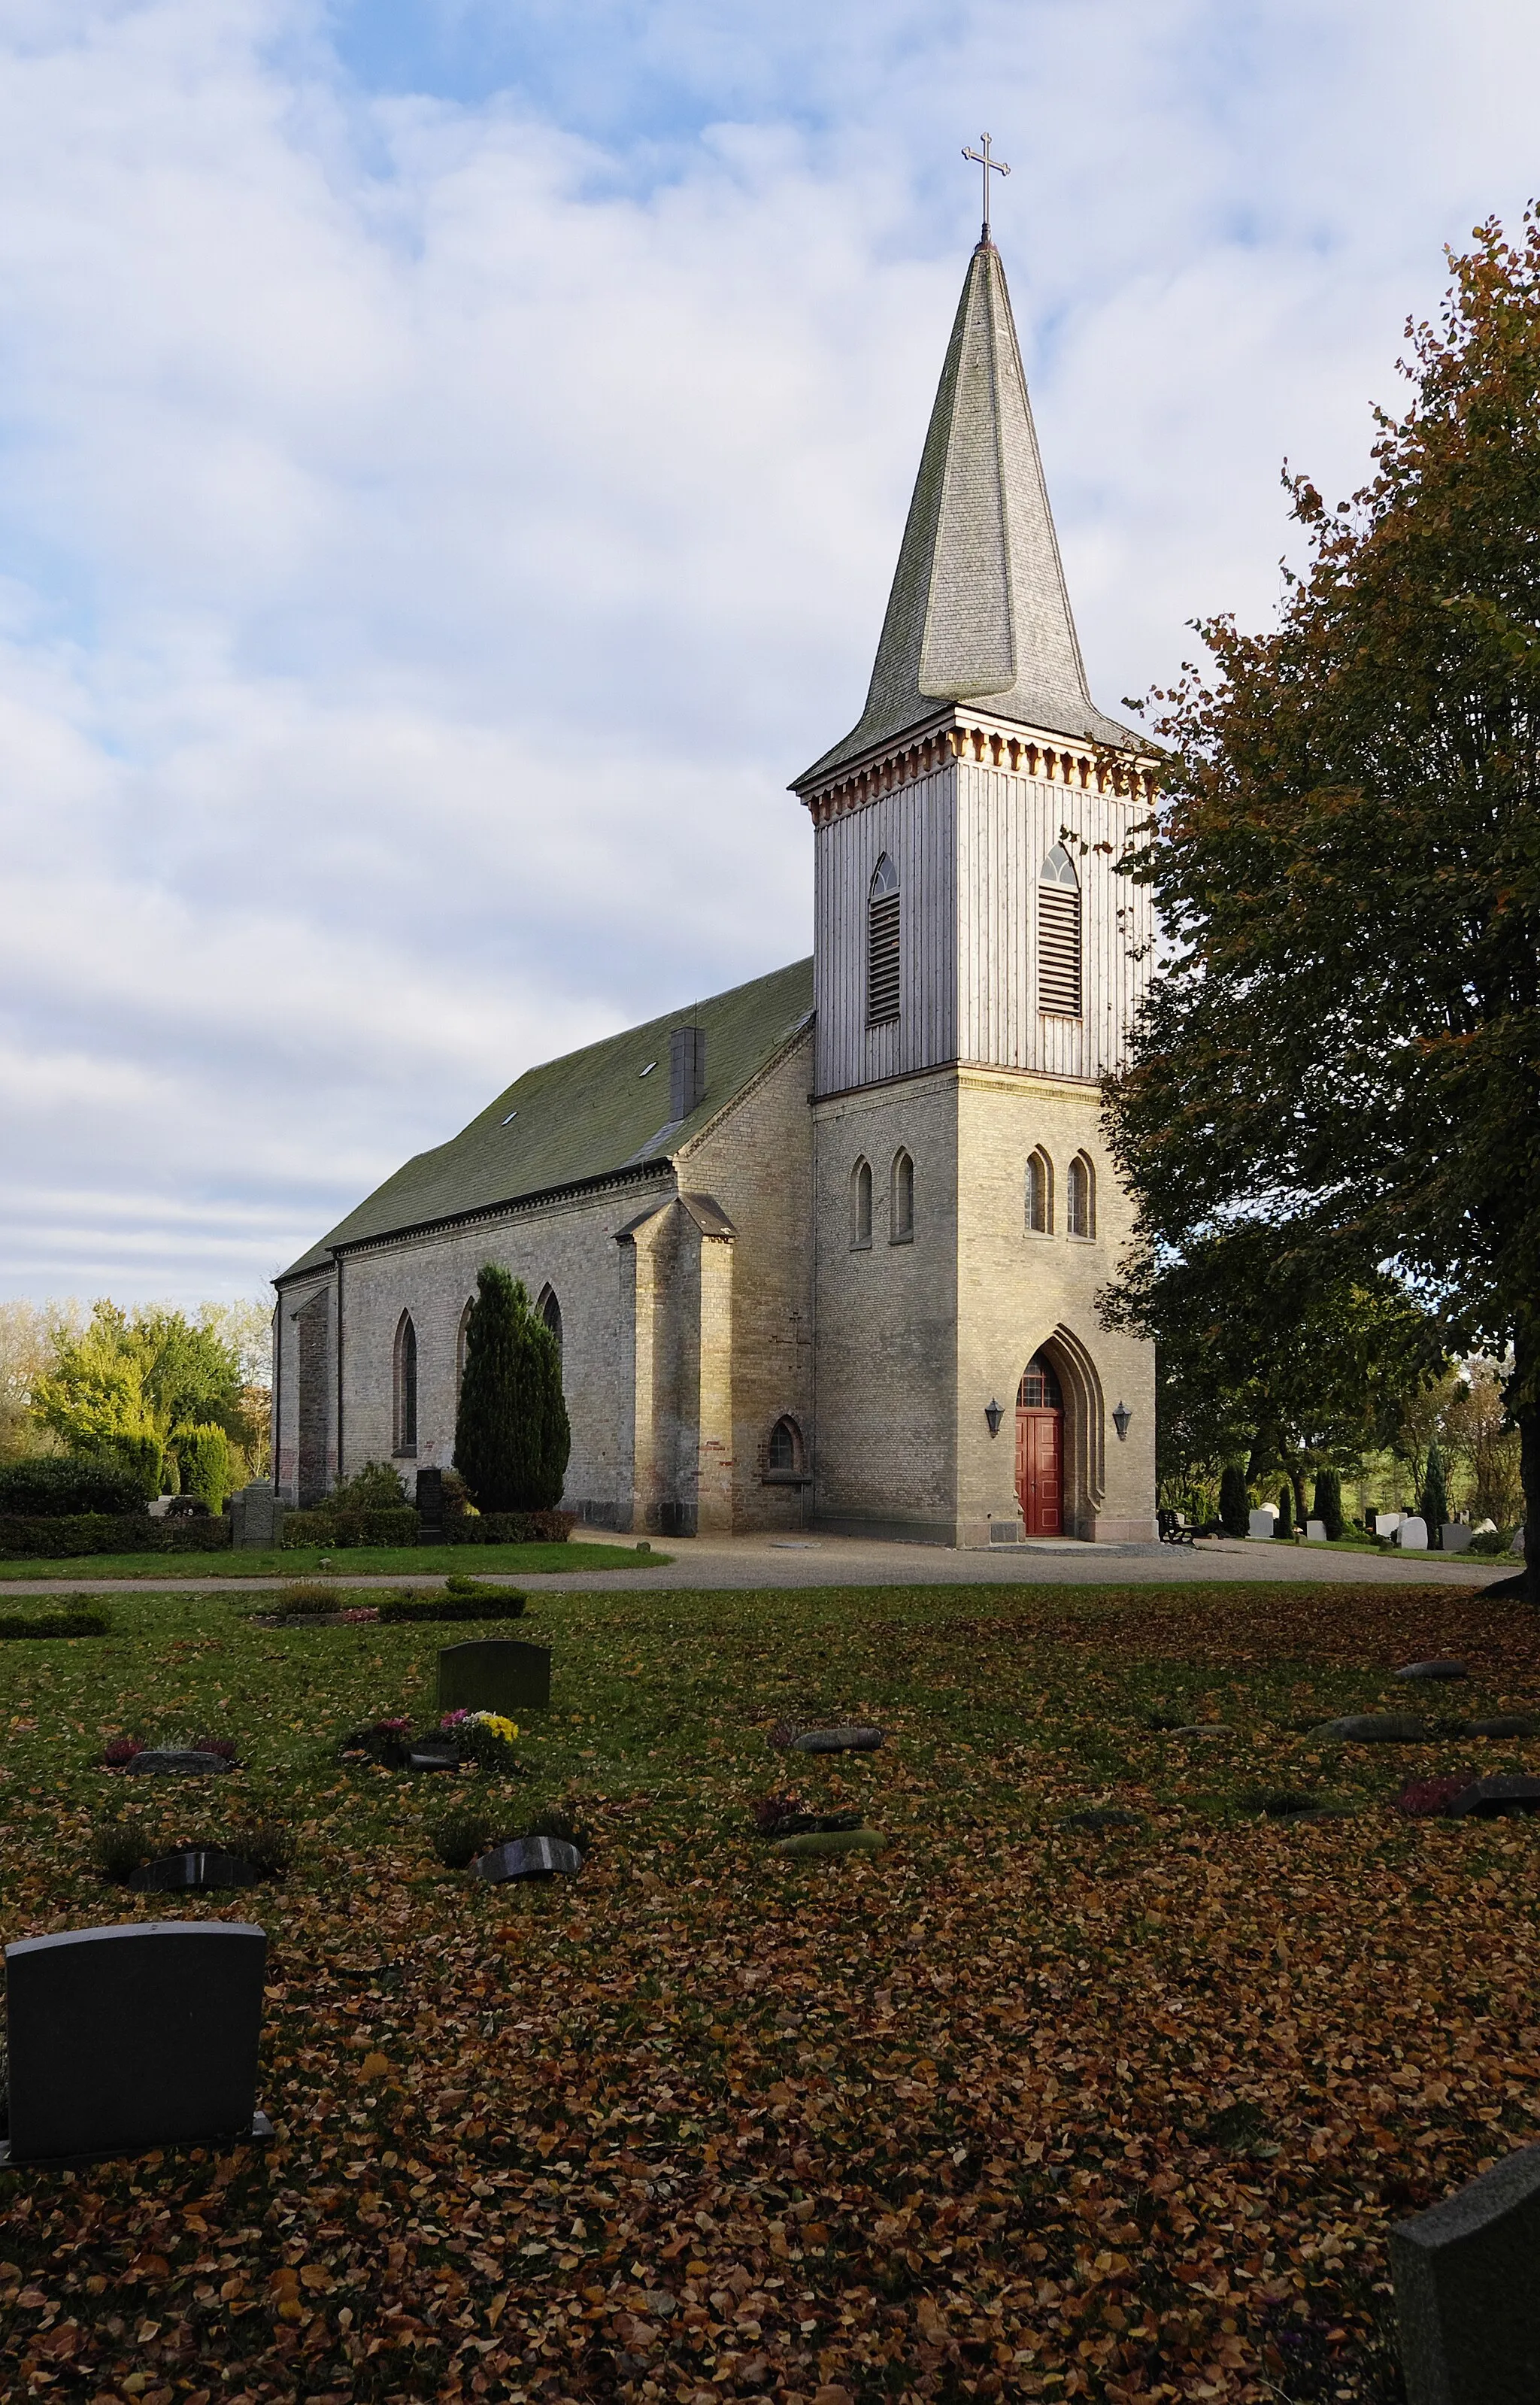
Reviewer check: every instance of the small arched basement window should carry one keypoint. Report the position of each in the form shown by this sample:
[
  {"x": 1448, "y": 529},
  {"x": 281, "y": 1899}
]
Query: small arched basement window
[
  {"x": 549, "y": 1310},
  {"x": 1080, "y": 1215},
  {"x": 783, "y": 1453},
  {"x": 901, "y": 1215},
  {"x": 1039, "y": 1390},
  {"x": 406, "y": 1385},
  {"x": 1058, "y": 935},
  {"x": 860, "y": 1205},
  {"x": 1039, "y": 1195},
  {"x": 882, "y": 945}
]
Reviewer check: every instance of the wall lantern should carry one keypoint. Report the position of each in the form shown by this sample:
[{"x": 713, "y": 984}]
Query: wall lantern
[
  {"x": 1120, "y": 1421},
  {"x": 993, "y": 1413}
]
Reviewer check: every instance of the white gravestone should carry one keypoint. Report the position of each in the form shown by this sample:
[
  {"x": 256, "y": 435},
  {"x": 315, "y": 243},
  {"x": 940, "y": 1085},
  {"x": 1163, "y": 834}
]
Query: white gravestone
[
  {"x": 1412, "y": 1536},
  {"x": 1264, "y": 1522},
  {"x": 1386, "y": 1523},
  {"x": 1315, "y": 1532}
]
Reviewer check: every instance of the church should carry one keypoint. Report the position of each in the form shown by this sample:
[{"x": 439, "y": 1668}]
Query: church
[{"x": 823, "y": 1251}]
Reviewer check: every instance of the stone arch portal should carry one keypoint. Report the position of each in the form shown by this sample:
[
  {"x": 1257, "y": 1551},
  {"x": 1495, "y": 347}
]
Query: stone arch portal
[{"x": 1060, "y": 1439}]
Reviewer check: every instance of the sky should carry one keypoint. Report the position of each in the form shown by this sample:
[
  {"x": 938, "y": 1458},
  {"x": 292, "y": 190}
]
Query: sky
[{"x": 453, "y": 455}]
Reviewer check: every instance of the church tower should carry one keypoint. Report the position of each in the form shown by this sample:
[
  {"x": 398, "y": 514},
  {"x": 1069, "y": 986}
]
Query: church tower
[{"x": 977, "y": 964}]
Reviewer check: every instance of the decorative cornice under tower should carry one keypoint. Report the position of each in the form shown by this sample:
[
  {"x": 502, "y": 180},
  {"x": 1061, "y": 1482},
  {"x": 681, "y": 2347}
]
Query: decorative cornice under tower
[{"x": 1087, "y": 769}]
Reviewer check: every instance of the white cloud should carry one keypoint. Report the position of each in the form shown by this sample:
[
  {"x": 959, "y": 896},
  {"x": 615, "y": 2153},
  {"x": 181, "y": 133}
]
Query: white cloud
[{"x": 432, "y": 529}]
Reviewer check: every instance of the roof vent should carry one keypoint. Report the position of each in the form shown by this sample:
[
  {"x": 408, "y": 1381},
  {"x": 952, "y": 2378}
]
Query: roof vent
[{"x": 686, "y": 1071}]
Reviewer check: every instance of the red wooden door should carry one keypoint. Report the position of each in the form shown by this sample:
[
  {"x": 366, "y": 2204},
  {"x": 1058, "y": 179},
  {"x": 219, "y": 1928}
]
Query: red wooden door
[{"x": 1039, "y": 1474}]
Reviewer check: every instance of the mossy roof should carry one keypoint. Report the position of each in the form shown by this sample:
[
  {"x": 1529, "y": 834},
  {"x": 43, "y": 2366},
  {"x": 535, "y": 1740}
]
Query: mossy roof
[{"x": 583, "y": 1116}]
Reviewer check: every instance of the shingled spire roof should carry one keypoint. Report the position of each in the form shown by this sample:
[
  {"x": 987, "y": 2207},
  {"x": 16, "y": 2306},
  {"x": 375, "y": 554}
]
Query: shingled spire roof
[{"x": 978, "y": 611}]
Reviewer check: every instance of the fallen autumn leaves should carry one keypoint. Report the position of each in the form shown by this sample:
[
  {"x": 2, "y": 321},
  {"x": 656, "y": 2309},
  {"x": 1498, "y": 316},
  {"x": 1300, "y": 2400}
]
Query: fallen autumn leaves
[{"x": 1005, "y": 2112}]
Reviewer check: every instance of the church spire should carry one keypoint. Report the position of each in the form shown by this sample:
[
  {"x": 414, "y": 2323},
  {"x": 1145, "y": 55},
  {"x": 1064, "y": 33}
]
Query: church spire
[{"x": 979, "y": 610}]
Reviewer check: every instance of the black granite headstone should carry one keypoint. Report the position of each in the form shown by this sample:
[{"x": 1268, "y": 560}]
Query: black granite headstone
[
  {"x": 528, "y": 1858},
  {"x": 1466, "y": 2297},
  {"x": 130, "y": 2038},
  {"x": 195, "y": 1866},
  {"x": 495, "y": 1674},
  {"x": 1485, "y": 1798},
  {"x": 429, "y": 1499},
  {"x": 1444, "y": 1669},
  {"x": 837, "y": 1740},
  {"x": 1374, "y": 1728}
]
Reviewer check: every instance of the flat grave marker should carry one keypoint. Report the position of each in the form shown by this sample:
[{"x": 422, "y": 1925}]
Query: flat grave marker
[
  {"x": 528, "y": 1858},
  {"x": 495, "y": 1674},
  {"x": 177, "y": 1761},
  {"x": 139, "y": 2035}
]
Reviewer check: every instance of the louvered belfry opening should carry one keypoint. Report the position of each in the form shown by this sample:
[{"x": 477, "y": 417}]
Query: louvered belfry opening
[
  {"x": 882, "y": 945},
  {"x": 1058, "y": 935}
]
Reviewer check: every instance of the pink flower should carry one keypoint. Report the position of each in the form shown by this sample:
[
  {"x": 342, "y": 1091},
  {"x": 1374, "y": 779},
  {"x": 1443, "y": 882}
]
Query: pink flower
[
  {"x": 452, "y": 1720},
  {"x": 1425, "y": 1796},
  {"x": 121, "y": 1749}
]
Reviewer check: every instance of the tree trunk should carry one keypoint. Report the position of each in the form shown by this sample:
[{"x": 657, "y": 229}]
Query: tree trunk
[
  {"x": 1523, "y": 1406},
  {"x": 1302, "y": 1517}
]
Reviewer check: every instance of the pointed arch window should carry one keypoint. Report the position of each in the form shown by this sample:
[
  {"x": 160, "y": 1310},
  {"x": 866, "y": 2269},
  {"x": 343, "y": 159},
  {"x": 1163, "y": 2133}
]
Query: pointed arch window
[
  {"x": 901, "y": 1206},
  {"x": 1059, "y": 945},
  {"x": 882, "y": 945},
  {"x": 549, "y": 1310},
  {"x": 462, "y": 1337},
  {"x": 783, "y": 1454},
  {"x": 406, "y": 1385},
  {"x": 860, "y": 1206},
  {"x": 1039, "y": 1194},
  {"x": 1039, "y": 1390},
  {"x": 1080, "y": 1213}
]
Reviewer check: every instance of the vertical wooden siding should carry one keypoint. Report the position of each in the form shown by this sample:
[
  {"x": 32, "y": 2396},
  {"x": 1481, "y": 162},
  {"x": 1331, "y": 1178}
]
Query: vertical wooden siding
[{"x": 968, "y": 841}]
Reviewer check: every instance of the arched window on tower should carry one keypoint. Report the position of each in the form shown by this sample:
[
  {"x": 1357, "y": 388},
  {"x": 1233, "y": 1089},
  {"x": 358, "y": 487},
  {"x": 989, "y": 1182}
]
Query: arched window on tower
[
  {"x": 783, "y": 1453},
  {"x": 900, "y": 1209},
  {"x": 1058, "y": 935},
  {"x": 860, "y": 1206},
  {"x": 1080, "y": 1215},
  {"x": 1039, "y": 1194},
  {"x": 549, "y": 1310},
  {"x": 882, "y": 945},
  {"x": 462, "y": 1336},
  {"x": 406, "y": 1385}
]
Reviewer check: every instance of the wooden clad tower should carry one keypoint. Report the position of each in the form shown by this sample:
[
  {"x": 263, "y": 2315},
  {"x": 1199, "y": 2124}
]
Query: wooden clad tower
[{"x": 977, "y": 964}]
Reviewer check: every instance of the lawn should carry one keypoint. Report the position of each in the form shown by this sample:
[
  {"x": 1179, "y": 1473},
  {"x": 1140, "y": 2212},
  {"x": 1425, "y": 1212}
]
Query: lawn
[
  {"x": 1008, "y": 2110},
  {"x": 355, "y": 1561}
]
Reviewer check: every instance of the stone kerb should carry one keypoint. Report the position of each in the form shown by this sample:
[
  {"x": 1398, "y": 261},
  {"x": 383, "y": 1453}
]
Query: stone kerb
[
  {"x": 1468, "y": 2299},
  {"x": 140, "y": 2036}
]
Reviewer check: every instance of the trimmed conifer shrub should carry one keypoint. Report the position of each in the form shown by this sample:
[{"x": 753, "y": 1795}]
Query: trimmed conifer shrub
[
  {"x": 511, "y": 1437},
  {"x": 1328, "y": 1502},
  {"x": 57, "y": 1486},
  {"x": 1433, "y": 1501},
  {"x": 1284, "y": 1526},
  {"x": 203, "y": 1457},
  {"x": 1235, "y": 1508}
]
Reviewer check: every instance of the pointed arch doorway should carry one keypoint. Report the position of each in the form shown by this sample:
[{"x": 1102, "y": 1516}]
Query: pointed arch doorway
[{"x": 1040, "y": 1448}]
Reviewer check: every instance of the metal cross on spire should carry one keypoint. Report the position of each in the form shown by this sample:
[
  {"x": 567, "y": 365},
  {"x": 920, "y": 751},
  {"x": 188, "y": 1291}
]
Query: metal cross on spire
[{"x": 983, "y": 161}]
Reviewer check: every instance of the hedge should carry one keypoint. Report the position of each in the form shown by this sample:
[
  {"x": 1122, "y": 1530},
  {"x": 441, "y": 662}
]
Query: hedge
[
  {"x": 335, "y": 1531},
  {"x": 511, "y": 1528},
  {"x": 55, "y": 1624},
  {"x": 102, "y": 1532},
  {"x": 495, "y": 1604},
  {"x": 55, "y": 1486}
]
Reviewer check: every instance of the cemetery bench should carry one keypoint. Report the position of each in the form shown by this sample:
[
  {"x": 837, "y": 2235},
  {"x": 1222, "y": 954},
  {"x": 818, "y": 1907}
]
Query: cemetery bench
[{"x": 1174, "y": 1530}]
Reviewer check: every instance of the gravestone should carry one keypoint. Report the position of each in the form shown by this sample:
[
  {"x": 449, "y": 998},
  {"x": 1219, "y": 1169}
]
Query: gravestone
[
  {"x": 430, "y": 1500},
  {"x": 1315, "y": 1532},
  {"x": 495, "y": 1674},
  {"x": 1485, "y": 1798},
  {"x": 256, "y": 1519},
  {"x": 1103, "y": 1816},
  {"x": 1467, "y": 2301},
  {"x": 1386, "y": 1523},
  {"x": 837, "y": 1740},
  {"x": 1413, "y": 1535},
  {"x": 176, "y": 1762},
  {"x": 1374, "y": 1728},
  {"x": 1262, "y": 1521},
  {"x": 197, "y": 1866},
  {"x": 130, "y": 2038},
  {"x": 528, "y": 1858},
  {"x": 1455, "y": 1536},
  {"x": 1440, "y": 1669},
  {"x": 1506, "y": 1724}
]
